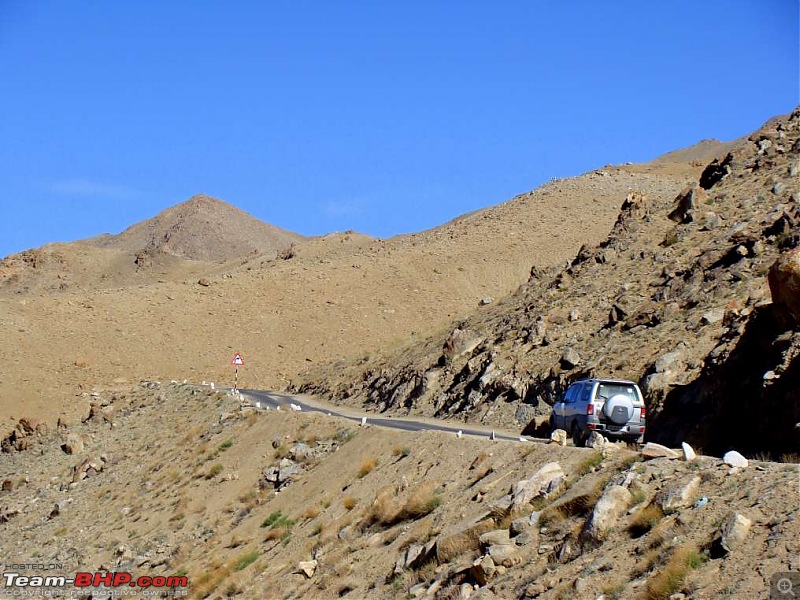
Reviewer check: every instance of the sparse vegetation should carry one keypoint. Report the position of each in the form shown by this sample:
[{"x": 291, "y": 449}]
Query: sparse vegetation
[
  {"x": 215, "y": 470},
  {"x": 310, "y": 512},
  {"x": 669, "y": 578},
  {"x": 280, "y": 526},
  {"x": 367, "y": 466},
  {"x": 645, "y": 519},
  {"x": 245, "y": 560},
  {"x": 225, "y": 445},
  {"x": 349, "y": 502},
  {"x": 588, "y": 464}
]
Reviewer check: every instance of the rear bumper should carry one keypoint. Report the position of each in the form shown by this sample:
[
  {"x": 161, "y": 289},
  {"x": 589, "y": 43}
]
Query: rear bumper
[{"x": 630, "y": 431}]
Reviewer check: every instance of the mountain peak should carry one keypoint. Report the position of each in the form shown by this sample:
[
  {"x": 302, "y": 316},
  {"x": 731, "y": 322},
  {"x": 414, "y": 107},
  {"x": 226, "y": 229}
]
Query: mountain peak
[{"x": 201, "y": 228}]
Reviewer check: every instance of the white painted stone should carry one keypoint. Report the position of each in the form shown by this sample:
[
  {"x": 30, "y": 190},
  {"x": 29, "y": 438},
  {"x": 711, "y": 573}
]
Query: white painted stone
[{"x": 734, "y": 459}]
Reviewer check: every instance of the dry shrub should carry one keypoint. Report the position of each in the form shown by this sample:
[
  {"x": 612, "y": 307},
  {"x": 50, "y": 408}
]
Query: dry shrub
[
  {"x": 420, "y": 502},
  {"x": 367, "y": 466},
  {"x": 466, "y": 543},
  {"x": 645, "y": 519},
  {"x": 383, "y": 509},
  {"x": 669, "y": 578},
  {"x": 310, "y": 512},
  {"x": 349, "y": 502},
  {"x": 207, "y": 581}
]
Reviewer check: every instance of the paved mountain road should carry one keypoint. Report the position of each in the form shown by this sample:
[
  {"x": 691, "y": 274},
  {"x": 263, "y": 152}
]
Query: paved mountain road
[{"x": 275, "y": 401}]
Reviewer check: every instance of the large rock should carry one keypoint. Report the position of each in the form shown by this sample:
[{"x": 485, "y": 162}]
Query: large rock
[
  {"x": 506, "y": 555},
  {"x": 559, "y": 436},
  {"x": 460, "y": 342},
  {"x": 307, "y": 568},
  {"x": 483, "y": 569},
  {"x": 596, "y": 441},
  {"x": 544, "y": 481},
  {"x": 686, "y": 203},
  {"x": 570, "y": 358},
  {"x": 688, "y": 452},
  {"x": 607, "y": 512},
  {"x": 652, "y": 450},
  {"x": 73, "y": 445},
  {"x": 784, "y": 285},
  {"x": 679, "y": 495},
  {"x": 495, "y": 537},
  {"x": 734, "y": 459},
  {"x": 733, "y": 533}
]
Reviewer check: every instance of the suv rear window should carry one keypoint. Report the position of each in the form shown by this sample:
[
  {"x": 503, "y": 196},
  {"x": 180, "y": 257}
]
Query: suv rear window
[{"x": 606, "y": 390}]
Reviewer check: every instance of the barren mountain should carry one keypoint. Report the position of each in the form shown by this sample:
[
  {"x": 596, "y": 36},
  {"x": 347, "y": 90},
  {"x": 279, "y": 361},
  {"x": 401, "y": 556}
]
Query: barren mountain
[
  {"x": 676, "y": 297},
  {"x": 337, "y": 297},
  {"x": 624, "y": 271},
  {"x": 202, "y": 228}
]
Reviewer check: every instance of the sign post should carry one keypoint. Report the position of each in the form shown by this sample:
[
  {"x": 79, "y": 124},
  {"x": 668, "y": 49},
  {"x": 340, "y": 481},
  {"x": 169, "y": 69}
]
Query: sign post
[{"x": 237, "y": 361}]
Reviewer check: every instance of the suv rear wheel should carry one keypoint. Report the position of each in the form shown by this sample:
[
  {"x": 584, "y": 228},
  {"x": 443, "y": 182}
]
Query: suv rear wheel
[{"x": 578, "y": 437}]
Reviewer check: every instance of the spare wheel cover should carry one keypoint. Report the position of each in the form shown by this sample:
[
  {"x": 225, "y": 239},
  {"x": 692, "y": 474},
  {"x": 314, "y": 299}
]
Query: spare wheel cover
[{"x": 618, "y": 409}]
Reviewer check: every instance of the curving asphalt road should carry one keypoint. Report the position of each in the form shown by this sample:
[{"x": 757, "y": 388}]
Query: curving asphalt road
[{"x": 275, "y": 401}]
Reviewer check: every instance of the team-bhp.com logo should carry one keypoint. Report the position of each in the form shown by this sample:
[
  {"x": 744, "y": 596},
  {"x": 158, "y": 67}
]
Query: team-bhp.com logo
[{"x": 176, "y": 583}]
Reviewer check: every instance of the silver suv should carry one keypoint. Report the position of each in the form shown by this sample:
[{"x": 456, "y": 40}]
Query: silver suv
[{"x": 612, "y": 407}]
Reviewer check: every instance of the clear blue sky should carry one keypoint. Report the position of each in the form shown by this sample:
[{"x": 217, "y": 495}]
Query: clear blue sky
[{"x": 384, "y": 117}]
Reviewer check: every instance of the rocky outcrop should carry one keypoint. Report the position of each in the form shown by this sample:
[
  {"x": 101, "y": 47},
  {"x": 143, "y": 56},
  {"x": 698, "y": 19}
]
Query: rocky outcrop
[{"x": 784, "y": 284}]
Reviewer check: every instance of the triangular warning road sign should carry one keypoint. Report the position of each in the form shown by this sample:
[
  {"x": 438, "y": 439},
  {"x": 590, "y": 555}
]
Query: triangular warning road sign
[{"x": 237, "y": 360}]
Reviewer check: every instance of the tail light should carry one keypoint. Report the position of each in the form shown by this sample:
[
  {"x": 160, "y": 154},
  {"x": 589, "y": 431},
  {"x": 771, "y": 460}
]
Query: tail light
[
  {"x": 590, "y": 409},
  {"x": 643, "y": 413}
]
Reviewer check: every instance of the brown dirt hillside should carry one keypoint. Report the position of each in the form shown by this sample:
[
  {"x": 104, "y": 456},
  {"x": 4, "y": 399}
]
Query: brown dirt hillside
[
  {"x": 202, "y": 228},
  {"x": 676, "y": 297},
  {"x": 185, "y": 484},
  {"x": 341, "y": 296}
]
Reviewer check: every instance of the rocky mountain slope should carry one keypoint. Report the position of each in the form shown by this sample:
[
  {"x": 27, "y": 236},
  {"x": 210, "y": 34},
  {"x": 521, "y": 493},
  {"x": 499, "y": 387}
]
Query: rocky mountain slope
[
  {"x": 675, "y": 297},
  {"x": 260, "y": 504},
  {"x": 337, "y": 297}
]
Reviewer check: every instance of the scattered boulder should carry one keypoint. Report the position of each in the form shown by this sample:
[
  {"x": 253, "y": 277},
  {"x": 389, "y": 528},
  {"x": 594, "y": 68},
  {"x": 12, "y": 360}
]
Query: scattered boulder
[
  {"x": 653, "y": 450},
  {"x": 307, "y": 568},
  {"x": 89, "y": 467},
  {"x": 559, "y": 436},
  {"x": 734, "y": 531},
  {"x": 734, "y": 459},
  {"x": 496, "y": 537},
  {"x": 570, "y": 359},
  {"x": 686, "y": 203},
  {"x": 688, "y": 452},
  {"x": 545, "y": 481},
  {"x": 204, "y": 282},
  {"x": 483, "y": 569},
  {"x": 506, "y": 555},
  {"x": 784, "y": 285},
  {"x": 606, "y": 513},
  {"x": 596, "y": 441},
  {"x": 460, "y": 342},
  {"x": 677, "y": 496},
  {"x": 73, "y": 445}
]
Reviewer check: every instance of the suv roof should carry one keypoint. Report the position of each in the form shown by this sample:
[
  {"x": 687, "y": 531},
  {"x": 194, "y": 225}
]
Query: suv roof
[{"x": 607, "y": 380}]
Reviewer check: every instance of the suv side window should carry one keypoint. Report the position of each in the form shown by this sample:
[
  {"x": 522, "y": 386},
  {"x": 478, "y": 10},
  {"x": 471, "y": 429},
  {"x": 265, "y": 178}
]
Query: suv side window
[
  {"x": 571, "y": 393},
  {"x": 587, "y": 392}
]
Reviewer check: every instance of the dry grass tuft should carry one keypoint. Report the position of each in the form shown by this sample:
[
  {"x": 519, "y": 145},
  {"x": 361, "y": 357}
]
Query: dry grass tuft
[
  {"x": 367, "y": 467},
  {"x": 420, "y": 502},
  {"x": 311, "y": 511},
  {"x": 349, "y": 502},
  {"x": 669, "y": 579},
  {"x": 645, "y": 519}
]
